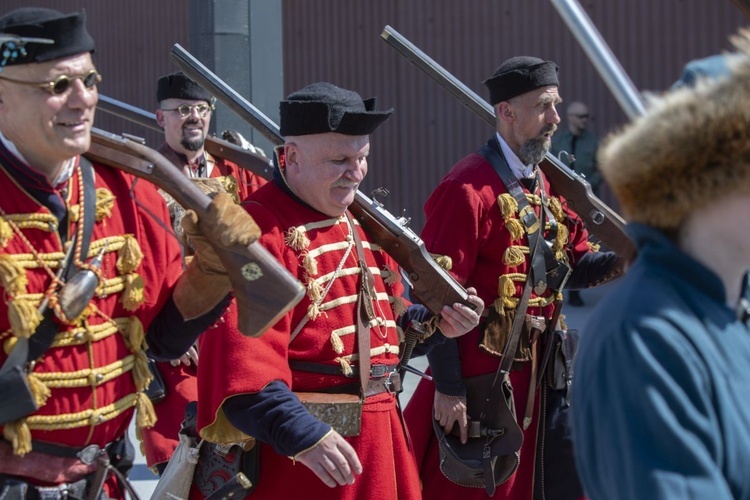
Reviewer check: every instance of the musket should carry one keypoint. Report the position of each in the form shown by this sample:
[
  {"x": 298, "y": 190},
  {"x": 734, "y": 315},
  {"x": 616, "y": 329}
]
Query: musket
[
  {"x": 256, "y": 163},
  {"x": 600, "y": 219},
  {"x": 432, "y": 284},
  {"x": 265, "y": 290}
]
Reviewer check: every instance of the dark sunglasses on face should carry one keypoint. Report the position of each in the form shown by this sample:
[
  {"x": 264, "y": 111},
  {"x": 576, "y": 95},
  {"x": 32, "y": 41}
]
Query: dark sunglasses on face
[
  {"x": 186, "y": 109},
  {"x": 62, "y": 83}
]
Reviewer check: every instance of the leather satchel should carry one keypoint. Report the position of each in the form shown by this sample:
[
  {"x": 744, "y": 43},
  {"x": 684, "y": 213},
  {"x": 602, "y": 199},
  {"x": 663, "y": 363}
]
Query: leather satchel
[
  {"x": 488, "y": 452},
  {"x": 343, "y": 412}
]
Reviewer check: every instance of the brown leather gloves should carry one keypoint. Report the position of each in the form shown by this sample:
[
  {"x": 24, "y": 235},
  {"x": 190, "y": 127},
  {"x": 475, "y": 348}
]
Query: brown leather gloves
[{"x": 205, "y": 281}]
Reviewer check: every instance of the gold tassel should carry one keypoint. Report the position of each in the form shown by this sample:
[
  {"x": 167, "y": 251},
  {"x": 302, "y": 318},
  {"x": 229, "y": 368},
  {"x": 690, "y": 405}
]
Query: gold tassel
[
  {"x": 313, "y": 310},
  {"x": 145, "y": 415},
  {"x": 24, "y": 317},
  {"x": 12, "y": 275},
  {"x": 560, "y": 240},
  {"x": 506, "y": 289},
  {"x": 296, "y": 239},
  {"x": 19, "y": 435},
  {"x": 134, "y": 336},
  {"x": 74, "y": 213},
  {"x": 133, "y": 295},
  {"x": 594, "y": 247},
  {"x": 508, "y": 205},
  {"x": 141, "y": 374},
  {"x": 515, "y": 228},
  {"x": 6, "y": 232},
  {"x": 443, "y": 261},
  {"x": 346, "y": 368},
  {"x": 40, "y": 391},
  {"x": 314, "y": 290},
  {"x": 9, "y": 344},
  {"x": 556, "y": 208},
  {"x": 130, "y": 256},
  {"x": 401, "y": 336},
  {"x": 398, "y": 306},
  {"x": 337, "y": 343},
  {"x": 513, "y": 256},
  {"x": 497, "y": 304},
  {"x": 105, "y": 200},
  {"x": 390, "y": 276},
  {"x": 310, "y": 264}
]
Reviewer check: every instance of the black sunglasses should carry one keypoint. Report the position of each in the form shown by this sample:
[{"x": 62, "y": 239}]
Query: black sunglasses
[{"x": 63, "y": 82}]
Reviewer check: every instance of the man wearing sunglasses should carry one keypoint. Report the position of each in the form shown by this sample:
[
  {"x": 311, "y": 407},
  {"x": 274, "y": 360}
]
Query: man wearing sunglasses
[
  {"x": 71, "y": 378},
  {"x": 184, "y": 112}
]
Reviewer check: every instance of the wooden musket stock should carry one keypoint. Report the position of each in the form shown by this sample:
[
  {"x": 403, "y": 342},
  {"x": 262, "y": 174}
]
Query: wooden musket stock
[
  {"x": 600, "y": 219},
  {"x": 431, "y": 284},
  {"x": 264, "y": 289}
]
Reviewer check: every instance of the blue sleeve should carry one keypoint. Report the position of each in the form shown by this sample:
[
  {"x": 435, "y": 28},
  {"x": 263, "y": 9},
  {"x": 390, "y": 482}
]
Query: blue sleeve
[
  {"x": 169, "y": 336},
  {"x": 643, "y": 417},
  {"x": 276, "y": 417}
]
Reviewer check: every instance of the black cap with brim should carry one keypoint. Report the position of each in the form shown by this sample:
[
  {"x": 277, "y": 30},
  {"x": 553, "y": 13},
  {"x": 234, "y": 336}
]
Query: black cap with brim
[
  {"x": 323, "y": 107},
  {"x": 519, "y": 75},
  {"x": 67, "y": 31}
]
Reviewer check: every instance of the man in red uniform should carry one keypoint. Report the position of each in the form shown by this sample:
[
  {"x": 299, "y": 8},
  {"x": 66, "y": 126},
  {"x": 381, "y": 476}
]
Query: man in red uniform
[
  {"x": 318, "y": 347},
  {"x": 67, "y": 402},
  {"x": 185, "y": 114},
  {"x": 473, "y": 219}
]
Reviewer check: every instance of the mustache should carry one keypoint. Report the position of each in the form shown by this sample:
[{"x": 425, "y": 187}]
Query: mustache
[
  {"x": 344, "y": 183},
  {"x": 552, "y": 128}
]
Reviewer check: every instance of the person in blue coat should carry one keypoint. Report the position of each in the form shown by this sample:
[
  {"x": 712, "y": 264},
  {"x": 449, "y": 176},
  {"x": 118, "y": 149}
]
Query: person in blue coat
[{"x": 660, "y": 396}]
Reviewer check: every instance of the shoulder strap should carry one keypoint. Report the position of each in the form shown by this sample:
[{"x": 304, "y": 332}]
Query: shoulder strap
[
  {"x": 30, "y": 349},
  {"x": 492, "y": 153}
]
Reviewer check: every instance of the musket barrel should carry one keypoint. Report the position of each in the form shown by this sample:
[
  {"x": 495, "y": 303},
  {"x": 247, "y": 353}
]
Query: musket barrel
[{"x": 601, "y": 57}]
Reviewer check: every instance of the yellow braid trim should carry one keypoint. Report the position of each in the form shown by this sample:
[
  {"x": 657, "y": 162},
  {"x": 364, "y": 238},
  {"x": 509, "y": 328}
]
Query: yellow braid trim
[
  {"x": 296, "y": 238},
  {"x": 515, "y": 255},
  {"x": 337, "y": 343},
  {"x": 19, "y": 436},
  {"x": 310, "y": 264},
  {"x": 42, "y": 221},
  {"x": 12, "y": 276},
  {"x": 87, "y": 377},
  {"x": 30, "y": 261},
  {"x": 38, "y": 389},
  {"x": 105, "y": 201},
  {"x": 508, "y": 205},
  {"x": 145, "y": 415},
  {"x": 6, "y": 232},
  {"x": 84, "y": 418},
  {"x": 24, "y": 316},
  {"x": 560, "y": 240},
  {"x": 133, "y": 296},
  {"x": 130, "y": 255},
  {"x": 81, "y": 335}
]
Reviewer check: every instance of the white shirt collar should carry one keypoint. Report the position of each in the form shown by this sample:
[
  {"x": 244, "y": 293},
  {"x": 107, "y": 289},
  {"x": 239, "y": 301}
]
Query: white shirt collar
[
  {"x": 520, "y": 170},
  {"x": 65, "y": 174}
]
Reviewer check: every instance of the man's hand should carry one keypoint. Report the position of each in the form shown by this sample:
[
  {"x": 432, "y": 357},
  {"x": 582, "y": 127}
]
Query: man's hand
[
  {"x": 449, "y": 410},
  {"x": 190, "y": 357},
  {"x": 333, "y": 460},
  {"x": 458, "y": 319}
]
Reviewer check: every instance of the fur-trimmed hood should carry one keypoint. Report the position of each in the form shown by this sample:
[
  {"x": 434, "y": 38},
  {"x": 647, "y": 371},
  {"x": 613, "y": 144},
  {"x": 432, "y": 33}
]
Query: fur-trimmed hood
[{"x": 692, "y": 146}]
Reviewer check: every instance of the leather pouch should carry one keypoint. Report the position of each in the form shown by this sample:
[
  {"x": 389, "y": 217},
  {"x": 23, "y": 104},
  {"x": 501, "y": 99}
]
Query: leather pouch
[
  {"x": 343, "y": 412},
  {"x": 156, "y": 390},
  {"x": 490, "y": 458},
  {"x": 18, "y": 401},
  {"x": 559, "y": 371}
]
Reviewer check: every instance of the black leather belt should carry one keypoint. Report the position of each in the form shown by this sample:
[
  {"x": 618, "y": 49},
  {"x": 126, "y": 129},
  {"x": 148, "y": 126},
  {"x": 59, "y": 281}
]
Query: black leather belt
[
  {"x": 87, "y": 454},
  {"x": 376, "y": 371},
  {"x": 383, "y": 378},
  {"x": 18, "y": 488}
]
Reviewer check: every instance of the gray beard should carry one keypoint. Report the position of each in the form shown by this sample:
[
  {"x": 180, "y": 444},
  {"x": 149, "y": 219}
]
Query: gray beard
[{"x": 533, "y": 151}]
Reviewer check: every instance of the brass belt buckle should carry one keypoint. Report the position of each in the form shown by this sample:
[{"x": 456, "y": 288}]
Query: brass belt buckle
[{"x": 378, "y": 371}]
